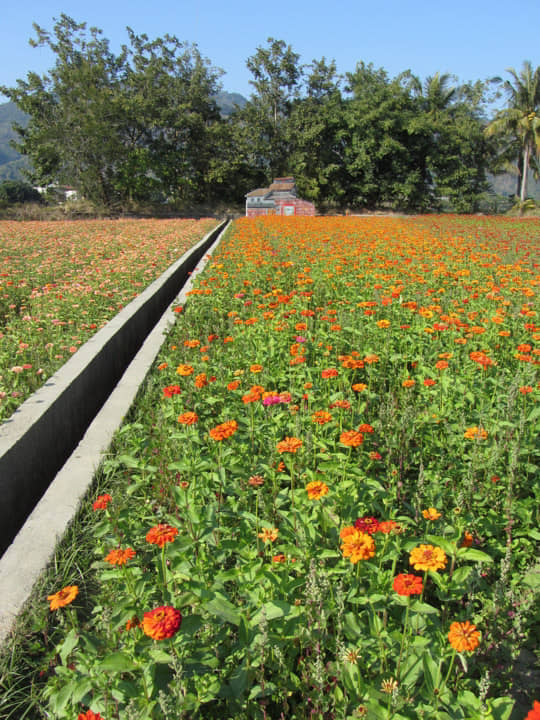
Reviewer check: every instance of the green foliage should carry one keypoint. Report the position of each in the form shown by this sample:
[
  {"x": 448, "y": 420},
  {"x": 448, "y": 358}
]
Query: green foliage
[
  {"x": 519, "y": 123},
  {"x": 137, "y": 125},
  {"x": 17, "y": 191},
  {"x": 144, "y": 126}
]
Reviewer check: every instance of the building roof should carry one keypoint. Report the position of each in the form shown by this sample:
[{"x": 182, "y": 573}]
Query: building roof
[
  {"x": 258, "y": 192},
  {"x": 283, "y": 184}
]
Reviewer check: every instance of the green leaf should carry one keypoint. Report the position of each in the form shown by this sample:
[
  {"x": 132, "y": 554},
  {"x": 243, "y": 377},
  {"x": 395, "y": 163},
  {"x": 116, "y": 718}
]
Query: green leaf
[
  {"x": 532, "y": 579},
  {"x": 421, "y": 607},
  {"x": 501, "y": 708},
  {"x": 474, "y": 555},
  {"x": 61, "y": 699},
  {"x": 129, "y": 461},
  {"x": 223, "y": 608},
  {"x": 67, "y": 646},
  {"x": 270, "y": 611},
  {"x": 461, "y": 574},
  {"x": 432, "y": 672},
  {"x": 160, "y": 656},
  {"x": 118, "y": 662},
  {"x": 448, "y": 547}
]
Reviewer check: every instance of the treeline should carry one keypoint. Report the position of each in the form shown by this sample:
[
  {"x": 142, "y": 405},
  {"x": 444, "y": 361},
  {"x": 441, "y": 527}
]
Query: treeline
[{"x": 144, "y": 126}]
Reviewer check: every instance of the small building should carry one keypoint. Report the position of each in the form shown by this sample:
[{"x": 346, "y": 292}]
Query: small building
[{"x": 278, "y": 199}]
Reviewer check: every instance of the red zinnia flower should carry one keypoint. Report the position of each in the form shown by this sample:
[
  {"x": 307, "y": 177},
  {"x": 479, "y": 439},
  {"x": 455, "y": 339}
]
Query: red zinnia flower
[
  {"x": 171, "y": 390},
  {"x": 102, "y": 502},
  {"x": 161, "y": 623},
  {"x": 407, "y": 584},
  {"x": 534, "y": 714},
  {"x": 367, "y": 524},
  {"x": 89, "y": 715}
]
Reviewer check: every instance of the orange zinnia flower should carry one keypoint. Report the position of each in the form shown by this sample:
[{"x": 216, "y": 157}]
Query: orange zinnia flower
[
  {"x": 475, "y": 433},
  {"x": 329, "y": 373},
  {"x": 161, "y": 534},
  {"x": 119, "y": 556},
  {"x": 427, "y": 557},
  {"x": 184, "y": 370},
  {"x": 224, "y": 431},
  {"x": 161, "y": 623},
  {"x": 386, "y": 526},
  {"x": 365, "y": 428},
  {"x": 359, "y": 387},
  {"x": 351, "y": 438},
  {"x": 255, "y": 368},
  {"x": 463, "y": 636},
  {"x": 441, "y": 365},
  {"x": 188, "y": 418},
  {"x": 268, "y": 534},
  {"x": 289, "y": 444},
  {"x": 250, "y": 397},
  {"x": 357, "y": 546},
  {"x": 409, "y": 382},
  {"x": 534, "y": 714},
  {"x": 431, "y": 514},
  {"x": 63, "y": 597},
  {"x": 371, "y": 358},
  {"x": 407, "y": 584},
  {"x": 316, "y": 490},
  {"x": 321, "y": 417},
  {"x": 233, "y": 385},
  {"x": 201, "y": 380}
]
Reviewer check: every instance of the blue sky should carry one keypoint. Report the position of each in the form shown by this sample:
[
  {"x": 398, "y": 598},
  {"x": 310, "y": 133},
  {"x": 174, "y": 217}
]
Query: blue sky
[{"x": 472, "y": 39}]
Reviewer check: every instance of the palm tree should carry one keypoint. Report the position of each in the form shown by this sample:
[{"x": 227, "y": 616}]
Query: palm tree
[{"x": 521, "y": 120}]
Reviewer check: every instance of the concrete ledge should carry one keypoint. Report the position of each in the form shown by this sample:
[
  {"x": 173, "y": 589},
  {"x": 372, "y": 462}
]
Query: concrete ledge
[
  {"x": 33, "y": 547},
  {"x": 38, "y": 438}
]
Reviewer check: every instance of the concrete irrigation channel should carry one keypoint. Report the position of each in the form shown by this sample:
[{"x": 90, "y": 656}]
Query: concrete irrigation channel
[{"x": 51, "y": 447}]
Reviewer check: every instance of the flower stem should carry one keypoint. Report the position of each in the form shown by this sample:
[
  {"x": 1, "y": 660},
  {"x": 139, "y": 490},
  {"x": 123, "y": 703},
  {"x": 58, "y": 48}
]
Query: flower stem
[{"x": 404, "y": 635}]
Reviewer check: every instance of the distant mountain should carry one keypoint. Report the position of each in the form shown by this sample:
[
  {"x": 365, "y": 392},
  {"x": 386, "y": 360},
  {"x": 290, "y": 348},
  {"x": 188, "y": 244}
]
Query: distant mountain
[
  {"x": 12, "y": 163},
  {"x": 506, "y": 184},
  {"x": 228, "y": 101}
]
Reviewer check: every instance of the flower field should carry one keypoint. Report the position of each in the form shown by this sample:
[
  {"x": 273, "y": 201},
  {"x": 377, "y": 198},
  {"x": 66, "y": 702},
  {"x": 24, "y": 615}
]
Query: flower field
[
  {"x": 60, "y": 282},
  {"x": 326, "y": 502}
]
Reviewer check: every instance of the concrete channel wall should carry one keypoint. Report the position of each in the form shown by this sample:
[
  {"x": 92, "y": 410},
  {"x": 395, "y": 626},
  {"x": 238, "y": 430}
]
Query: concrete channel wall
[
  {"x": 38, "y": 438},
  {"x": 28, "y": 555}
]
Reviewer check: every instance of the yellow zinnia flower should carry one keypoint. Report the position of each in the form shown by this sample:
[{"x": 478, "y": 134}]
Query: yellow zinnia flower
[{"x": 427, "y": 557}]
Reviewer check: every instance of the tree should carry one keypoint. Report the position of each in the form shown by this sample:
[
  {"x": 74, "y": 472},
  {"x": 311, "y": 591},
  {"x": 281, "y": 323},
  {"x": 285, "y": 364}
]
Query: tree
[
  {"x": 385, "y": 152},
  {"x": 137, "y": 125},
  {"x": 261, "y": 125},
  {"x": 521, "y": 120},
  {"x": 315, "y": 130},
  {"x": 17, "y": 191}
]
